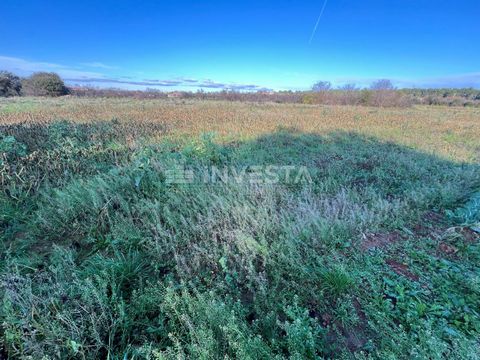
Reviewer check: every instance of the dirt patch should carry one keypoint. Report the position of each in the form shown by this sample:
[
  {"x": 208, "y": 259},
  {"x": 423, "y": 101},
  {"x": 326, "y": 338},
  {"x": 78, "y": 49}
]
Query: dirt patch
[
  {"x": 469, "y": 235},
  {"x": 401, "y": 269},
  {"x": 431, "y": 224},
  {"x": 379, "y": 241},
  {"x": 353, "y": 338},
  {"x": 456, "y": 237},
  {"x": 447, "y": 248},
  {"x": 361, "y": 314},
  {"x": 357, "y": 337},
  {"x": 433, "y": 217},
  {"x": 421, "y": 230}
]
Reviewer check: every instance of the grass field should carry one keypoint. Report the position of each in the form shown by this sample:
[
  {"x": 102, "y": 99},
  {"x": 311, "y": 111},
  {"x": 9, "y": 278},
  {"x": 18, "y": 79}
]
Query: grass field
[{"x": 374, "y": 255}]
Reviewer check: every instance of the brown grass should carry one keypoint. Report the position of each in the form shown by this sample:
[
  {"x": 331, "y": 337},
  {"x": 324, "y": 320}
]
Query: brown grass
[{"x": 451, "y": 132}]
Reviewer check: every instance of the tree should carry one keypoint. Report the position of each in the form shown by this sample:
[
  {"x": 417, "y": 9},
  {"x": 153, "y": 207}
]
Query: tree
[
  {"x": 10, "y": 84},
  {"x": 44, "y": 84},
  {"x": 385, "y": 94},
  {"x": 322, "y": 86},
  {"x": 382, "y": 84},
  {"x": 348, "y": 87},
  {"x": 349, "y": 94}
]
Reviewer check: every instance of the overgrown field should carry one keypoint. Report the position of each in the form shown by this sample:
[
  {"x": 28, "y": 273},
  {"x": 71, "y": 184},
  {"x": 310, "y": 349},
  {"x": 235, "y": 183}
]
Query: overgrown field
[{"x": 375, "y": 254}]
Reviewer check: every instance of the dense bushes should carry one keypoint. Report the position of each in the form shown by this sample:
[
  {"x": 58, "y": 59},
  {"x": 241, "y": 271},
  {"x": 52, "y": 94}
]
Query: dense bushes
[
  {"x": 10, "y": 84},
  {"x": 38, "y": 84},
  {"x": 44, "y": 84},
  {"x": 446, "y": 97},
  {"x": 345, "y": 95},
  {"x": 365, "y": 97},
  {"x": 381, "y": 93}
]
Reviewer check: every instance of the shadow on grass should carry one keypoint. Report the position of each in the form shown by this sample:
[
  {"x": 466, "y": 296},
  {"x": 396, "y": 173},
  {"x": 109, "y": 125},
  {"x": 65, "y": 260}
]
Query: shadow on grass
[
  {"x": 202, "y": 263},
  {"x": 351, "y": 160}
]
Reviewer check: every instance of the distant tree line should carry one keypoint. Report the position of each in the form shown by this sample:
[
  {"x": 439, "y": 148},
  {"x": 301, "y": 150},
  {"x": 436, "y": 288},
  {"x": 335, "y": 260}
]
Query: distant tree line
[
  {"x": 37, "y": 84},
  {"x": 449, "y": 97},
  {"x": 381, "y": 93}
]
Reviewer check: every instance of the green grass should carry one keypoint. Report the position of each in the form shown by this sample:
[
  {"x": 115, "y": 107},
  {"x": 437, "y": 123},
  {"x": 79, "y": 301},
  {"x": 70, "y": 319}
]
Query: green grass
[
  {"x": 101, "y": 257},
  {"x": 18, "y": 105}
]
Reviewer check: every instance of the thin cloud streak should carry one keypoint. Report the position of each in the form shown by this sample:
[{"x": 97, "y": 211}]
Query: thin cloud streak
[
  {"x": 72, "y": 75},
  {"x": 24, "y": 67},
  {"x": 458, "y": 81},
  {"x": 468, "y": 80},
  {"x": 124, "y": 82},
  {"x": 207, "y": 84},
  {"x": 99, "y": 65},
  {"x": 318, "y": 21}
]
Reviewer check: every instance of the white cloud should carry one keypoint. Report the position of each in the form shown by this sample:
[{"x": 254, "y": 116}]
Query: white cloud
[
  {"x": 72, "y": 74},
  {"x": 25, "y": 67},
  {"x": 99, "y": 65},
  {"x": 458, "y": 81},
  {"x": 449, "y": 81}
]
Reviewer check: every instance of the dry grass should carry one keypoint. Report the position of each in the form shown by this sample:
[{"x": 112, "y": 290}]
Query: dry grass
[{"x": 450, "y": 132}]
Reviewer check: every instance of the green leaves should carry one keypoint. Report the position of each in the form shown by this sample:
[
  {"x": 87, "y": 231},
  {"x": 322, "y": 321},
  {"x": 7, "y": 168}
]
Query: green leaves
[
  {"x": 468, "y": 214},
  {"x": 11, "y": 148},
  {"x": 336, "y": 282}
]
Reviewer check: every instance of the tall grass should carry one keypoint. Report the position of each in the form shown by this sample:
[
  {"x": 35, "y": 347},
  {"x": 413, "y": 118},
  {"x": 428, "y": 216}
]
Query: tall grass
[{"x": 110, "y": 260}]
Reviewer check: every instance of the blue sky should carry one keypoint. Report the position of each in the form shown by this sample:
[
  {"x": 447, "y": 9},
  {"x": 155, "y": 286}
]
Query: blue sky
[{"x": 246, "y": 45}]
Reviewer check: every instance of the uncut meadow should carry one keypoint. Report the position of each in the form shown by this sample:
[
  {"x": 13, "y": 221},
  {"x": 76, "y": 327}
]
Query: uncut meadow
[
  {"x": 375, "y": 256},
  {"x": 451, "y": 132}
]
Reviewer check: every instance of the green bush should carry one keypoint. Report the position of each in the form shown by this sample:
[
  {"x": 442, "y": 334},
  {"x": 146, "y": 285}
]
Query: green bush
[
  {"x": 365, "y": 97},
  {"x": 10, "y": 148},
  {"x": 10, "y": 84},
  {"x": 44, "y": 84}
]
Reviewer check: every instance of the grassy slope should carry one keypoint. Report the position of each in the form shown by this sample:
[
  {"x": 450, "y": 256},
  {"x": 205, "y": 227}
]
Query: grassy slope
[{"x": 101, "y": 257}]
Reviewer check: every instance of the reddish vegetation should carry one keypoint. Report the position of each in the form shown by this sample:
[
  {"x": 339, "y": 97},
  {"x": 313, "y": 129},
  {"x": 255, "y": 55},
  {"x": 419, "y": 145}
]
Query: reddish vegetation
[
  {"x": 447, "y": 249},
  {"x": 470, "y": 235},
  {"x": 433, "y": 217},
  {"x": 370, "y": 97},
  {"x": 353, "y": 338},
  {"x": 381, "y": 241},
  {"x": 431, "y": 224},
  {"x": 401, "y": 269}
]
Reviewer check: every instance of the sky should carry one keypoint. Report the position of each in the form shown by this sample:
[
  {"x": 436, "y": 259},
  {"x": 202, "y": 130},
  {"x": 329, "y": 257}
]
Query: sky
[{"x": 243, "y": 45}]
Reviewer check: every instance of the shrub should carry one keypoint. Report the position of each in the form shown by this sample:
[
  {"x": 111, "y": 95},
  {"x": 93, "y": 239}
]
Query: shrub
[
  {"x": 10, "y": 84},
  {"x": 382, "y": 84},
  {"x": 10, "y": 148},
  {"x": 44, "y": 84},
  {"x": 322, "y": 86},
  {"x": 308, "y": 99}
]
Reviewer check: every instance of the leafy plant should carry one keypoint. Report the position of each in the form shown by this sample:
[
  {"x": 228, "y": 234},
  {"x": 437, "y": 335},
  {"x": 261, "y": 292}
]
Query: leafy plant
[
  {"x": 10, "y": 84},
  {"x": 468, "y": 214},
  {"x": 10, "y": 148},
  {"x": 44, "y": 84}
]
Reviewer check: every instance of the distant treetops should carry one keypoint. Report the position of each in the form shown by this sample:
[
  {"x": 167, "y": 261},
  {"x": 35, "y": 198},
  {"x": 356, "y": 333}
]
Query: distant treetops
[{"x": 37, "y": 84}]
